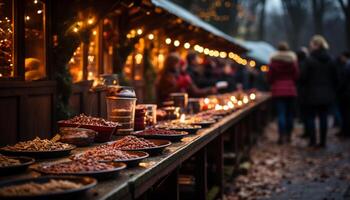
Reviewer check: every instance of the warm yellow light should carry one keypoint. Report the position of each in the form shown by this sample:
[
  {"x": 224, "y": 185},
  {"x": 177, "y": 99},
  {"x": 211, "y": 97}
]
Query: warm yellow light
[
  {"x": 218, "y": 107},
  {"x": 206, "y": 51},
  {"x": 206, "y": 101},
  {"x": 39, "y": 11},
  {"x": 231, "y": 55},
  {"x": 183, "y": 118},
  {"x": 168, "y": 41},
  {"x": 264, "y": 68},
  {"x": 216, "y": 53},
  {"x": 139, "y": 31},
  {"x": 151, "y": 36},
  {"x": 160, "y": 58},
  {"x": 225, "y": 107},
  {"x": 233, "y": 99},
  {"x": 245, "y": 100},
  {"x": 252, "y": 96},
  {"x": 187, "y": 45},
  {"x": 230, "y": 105},
  {"x": 239, "y": 103},
  {"x": 75, "y": 29},
  {"x": 35, "y": 1},
  {"x": 223, "y": 54},
  {"x": 211, "y": 53},
  {"x": 27, "y": 18},
  {"x": 176, "y": 43},
  {"x": 94, "y": 32},
  {"x": 252, "y": 63},
  {"x": 244, "y": 62},
  {"x": 90, "y": 21},
  {"x": 138, "y": 58}
]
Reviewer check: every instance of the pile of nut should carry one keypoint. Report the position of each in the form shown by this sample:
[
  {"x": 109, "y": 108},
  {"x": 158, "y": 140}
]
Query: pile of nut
[
  {"x": 104, "y": 153},
  {"x": 75, "y": 166},
  {"x": 7, "y": 161},
  {"x": 132, "y": 143},
  {"x": 176, "y": 125},
  {"x": 32, "y": 188},
  {"x": 83, "y": 119},
  {"x": 155, "y": 131},
  {"x": 38, "y": 145}
]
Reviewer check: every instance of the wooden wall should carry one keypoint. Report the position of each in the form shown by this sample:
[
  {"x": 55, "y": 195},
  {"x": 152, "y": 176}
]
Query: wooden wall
[{"x": 26, "y": 110}]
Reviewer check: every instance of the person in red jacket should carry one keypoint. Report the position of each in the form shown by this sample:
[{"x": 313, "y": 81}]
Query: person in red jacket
[{"x": 282, "y": 77}]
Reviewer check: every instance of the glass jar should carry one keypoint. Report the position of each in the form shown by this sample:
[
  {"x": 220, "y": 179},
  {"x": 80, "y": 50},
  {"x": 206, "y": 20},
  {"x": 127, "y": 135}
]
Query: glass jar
[{"x": 121, "y": 103}]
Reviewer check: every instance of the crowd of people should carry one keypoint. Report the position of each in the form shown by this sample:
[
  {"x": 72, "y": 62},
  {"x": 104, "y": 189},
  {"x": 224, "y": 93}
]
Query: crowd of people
[
  {"x": 309, "y": 81},
  {"x": 317, "y": 83},
  {"x": 203, "y": 76}
]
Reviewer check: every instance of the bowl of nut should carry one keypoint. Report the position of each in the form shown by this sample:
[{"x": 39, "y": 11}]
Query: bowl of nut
[
  {"x": 38, "y": 148},
  {"x": 132, "y": 143},
  {"x": 11, "y": 165},
  {"x": 104, "y": 128}
]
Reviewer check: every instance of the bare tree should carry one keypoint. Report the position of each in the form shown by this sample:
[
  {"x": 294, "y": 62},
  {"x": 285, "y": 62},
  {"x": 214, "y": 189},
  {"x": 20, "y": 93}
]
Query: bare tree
[
  {"x": 296, "y": 11},
  {"x": 318, "y": 9},
  {"x": 345, "y": 5}
]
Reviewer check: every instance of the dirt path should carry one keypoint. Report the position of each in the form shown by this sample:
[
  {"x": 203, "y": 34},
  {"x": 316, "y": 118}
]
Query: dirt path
[{"x": 294, "y": 171}]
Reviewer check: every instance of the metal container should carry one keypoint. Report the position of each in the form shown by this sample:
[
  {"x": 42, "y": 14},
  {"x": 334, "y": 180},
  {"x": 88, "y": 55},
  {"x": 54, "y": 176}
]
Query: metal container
[{"x": 121, "y": 103}]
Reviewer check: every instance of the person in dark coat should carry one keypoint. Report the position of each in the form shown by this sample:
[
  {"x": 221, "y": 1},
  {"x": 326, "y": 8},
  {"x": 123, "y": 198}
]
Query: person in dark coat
[
  {"x": 344, "y": 93},
  {"x": 319, "y": 80},
  {"x": 282, "y": 77}
]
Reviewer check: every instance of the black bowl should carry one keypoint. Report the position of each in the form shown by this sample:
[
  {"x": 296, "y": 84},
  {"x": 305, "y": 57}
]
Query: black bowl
[
  {"x": 158, "y": 149},
  {"x": 87, "y": 183},
  {"x": 24, "y": 163},
  {"x": 101, "y": 175},
  {"x": 39, "y": 154},
  {"x": 170, "y": 137},
  {"x": 134, "y": 161},
  {"x": 204, "y": 124}
]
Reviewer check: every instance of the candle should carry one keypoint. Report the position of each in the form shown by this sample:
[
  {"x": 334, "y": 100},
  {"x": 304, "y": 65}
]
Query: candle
[
  {"x": 252, "y": 96},
  {"x": 183, "y": 118}
]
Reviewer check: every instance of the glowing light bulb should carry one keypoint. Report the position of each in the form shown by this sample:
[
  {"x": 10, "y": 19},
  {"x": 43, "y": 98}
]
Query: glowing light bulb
[
  {"x": 139, "y": 31},
  {"x": 168, "y": 41},
  {"x": 183, "y": 118},
  {"x": 206, "y": 101},
  {"x": 252, "y": 96},
  {"x": 151, "y": 36},
  {"x": 176, "y": 43},
  {"x": 187, "y": 45}
]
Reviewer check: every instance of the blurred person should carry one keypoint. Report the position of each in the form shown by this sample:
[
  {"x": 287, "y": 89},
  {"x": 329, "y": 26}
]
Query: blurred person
[
  {"x": 201, "y": 74},
  {"x": 167, "y": 81},
  {"x": 302, "y": 55},
  {"x": 319, "y": 79},
  {"x": 344, "y": 93},
  {"x": 282, "y": 76},
  {"x": 186, "y": 84}
]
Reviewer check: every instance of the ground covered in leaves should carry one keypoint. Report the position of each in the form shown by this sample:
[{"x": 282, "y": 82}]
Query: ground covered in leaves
[{"x": 294, "y": 171}]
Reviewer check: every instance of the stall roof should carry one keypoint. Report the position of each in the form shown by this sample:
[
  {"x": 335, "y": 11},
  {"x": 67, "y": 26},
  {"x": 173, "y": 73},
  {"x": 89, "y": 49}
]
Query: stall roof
[
  {"x": 196, "y": 21},
  {"x": 259, "y": 51}
]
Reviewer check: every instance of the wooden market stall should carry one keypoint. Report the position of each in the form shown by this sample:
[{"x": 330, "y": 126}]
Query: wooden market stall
[{"x": 47, "y": 46}]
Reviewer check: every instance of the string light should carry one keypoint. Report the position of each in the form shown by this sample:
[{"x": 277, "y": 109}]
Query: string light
[
  {"x": 90, "y": 21},
  {"x": 27, "y": 18},
  {"x": 94, "y": 32},
  {"x": 39, "y": 11},
  {"x": 223, "y": 54},
  {"x": 168, "y": 41},
  {"x": 151, "y": 36},
  {"x": 138, "y": 58},
  {"x": 264, "y": 68},
  {"x": 75, "y": 29},
  {"x": 252, "y": 63},
  {"x": 187, "y": 45},
  {"x": 139, "y": 31},
  {"x": 35, "y": 1},
  {"x": 176, "y": 43}
]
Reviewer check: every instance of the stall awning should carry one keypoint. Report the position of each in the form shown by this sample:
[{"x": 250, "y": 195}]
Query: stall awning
[
  {"x": 197, "y": 22},
  {"x": 259, "y": 51}
]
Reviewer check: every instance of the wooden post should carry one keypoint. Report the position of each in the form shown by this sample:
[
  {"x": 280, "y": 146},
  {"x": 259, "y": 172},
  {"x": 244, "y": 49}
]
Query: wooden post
[{"x": 201, "y": 174}]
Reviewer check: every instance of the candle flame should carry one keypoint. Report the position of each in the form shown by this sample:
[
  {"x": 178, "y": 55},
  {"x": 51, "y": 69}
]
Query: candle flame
[
  {"x": 252, "y": 96},
  {"x": 245, "y": 100},
  {"x": 218, "y": 107},
  {"x": 182, "y": 118}
]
